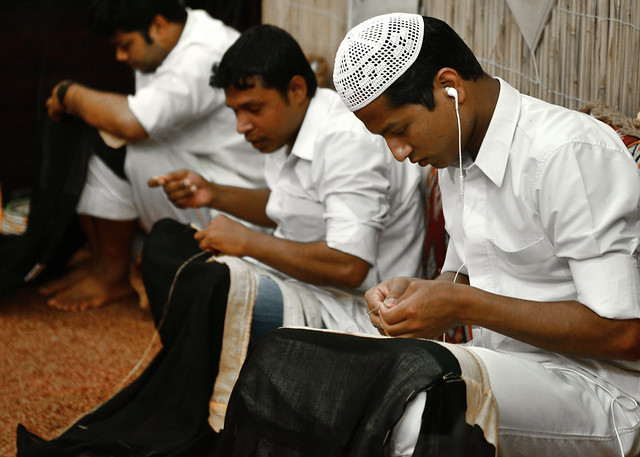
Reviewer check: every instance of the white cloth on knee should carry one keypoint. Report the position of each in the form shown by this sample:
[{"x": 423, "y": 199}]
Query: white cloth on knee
[{"x": 105, "y": 194}]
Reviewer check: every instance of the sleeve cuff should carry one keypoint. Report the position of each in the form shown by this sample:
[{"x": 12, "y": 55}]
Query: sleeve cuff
[
  {"x": 358, "y": 240},
  {"x": 609, "y": 285}
]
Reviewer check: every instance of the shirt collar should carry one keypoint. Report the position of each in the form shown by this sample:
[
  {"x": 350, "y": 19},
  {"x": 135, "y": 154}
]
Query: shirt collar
[
  {"x": 303, "y": 147},
  {"x": 493, "y": 155}
]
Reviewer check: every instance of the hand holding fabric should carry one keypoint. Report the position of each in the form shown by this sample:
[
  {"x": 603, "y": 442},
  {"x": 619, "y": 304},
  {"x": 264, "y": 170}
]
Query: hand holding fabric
[{"x": 223, "y": 235}]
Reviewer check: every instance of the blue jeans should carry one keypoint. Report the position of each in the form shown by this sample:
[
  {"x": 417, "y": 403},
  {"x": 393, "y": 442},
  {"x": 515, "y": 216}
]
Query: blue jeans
[{"x": 267, "y": 312}]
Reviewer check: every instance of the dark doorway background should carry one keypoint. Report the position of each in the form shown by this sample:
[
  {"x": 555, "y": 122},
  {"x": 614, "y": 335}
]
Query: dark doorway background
[{"x": 44, "y": 41}]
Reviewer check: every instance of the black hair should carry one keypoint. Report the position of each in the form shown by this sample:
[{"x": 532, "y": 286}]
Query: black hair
[
  {"x": 441, "y": 47},
  {"x": 108, "y": 16},
  {"x": 268, "y": 53}
]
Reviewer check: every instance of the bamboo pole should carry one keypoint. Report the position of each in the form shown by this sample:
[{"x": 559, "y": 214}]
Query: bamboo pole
[{"x": 627, "y": 62}]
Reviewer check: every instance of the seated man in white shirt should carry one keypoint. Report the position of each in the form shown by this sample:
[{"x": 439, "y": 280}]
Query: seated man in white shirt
[
  {"x": 345, "y": 216},
  {"x": 174, "y": 120},
  {"x": 541, "y": 204}
]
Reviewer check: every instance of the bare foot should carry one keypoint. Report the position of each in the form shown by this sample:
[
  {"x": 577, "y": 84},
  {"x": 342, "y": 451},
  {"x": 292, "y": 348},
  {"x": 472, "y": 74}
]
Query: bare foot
[
  {"x": 74, "y": 276},
  {"x": 135, "y": 279},
  {"x": 81, "y": 256},
  {"x": 79, "y": 267},
  {"x": 91, "y": 292}
]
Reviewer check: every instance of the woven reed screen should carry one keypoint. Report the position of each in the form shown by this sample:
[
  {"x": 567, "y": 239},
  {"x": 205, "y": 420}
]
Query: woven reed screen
[
  {"x": 589, "y": 50},
  {"x": 318, "y": 25}
]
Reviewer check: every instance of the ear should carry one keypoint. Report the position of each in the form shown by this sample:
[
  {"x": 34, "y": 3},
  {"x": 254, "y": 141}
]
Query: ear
[
  {"x": 449, "y": 77},
  {"x": 297, "y": 90},
  {"x": 159, "y": 28}
]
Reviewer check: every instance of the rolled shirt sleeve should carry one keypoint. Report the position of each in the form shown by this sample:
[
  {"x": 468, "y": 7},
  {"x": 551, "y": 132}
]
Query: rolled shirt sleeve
[
  {"x": 356, "y": 203},
  {"x": 597, "y": 228},
  {"x": 179, "y": 94}
]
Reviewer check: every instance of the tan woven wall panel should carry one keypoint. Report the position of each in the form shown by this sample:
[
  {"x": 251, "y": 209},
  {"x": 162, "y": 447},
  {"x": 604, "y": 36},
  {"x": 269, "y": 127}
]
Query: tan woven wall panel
[
  {"x": 318, "y": 25},
  {"x": 589, "y": 49}
]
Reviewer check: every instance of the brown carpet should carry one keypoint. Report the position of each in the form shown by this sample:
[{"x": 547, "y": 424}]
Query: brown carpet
[{"x": 56, "y": 366}]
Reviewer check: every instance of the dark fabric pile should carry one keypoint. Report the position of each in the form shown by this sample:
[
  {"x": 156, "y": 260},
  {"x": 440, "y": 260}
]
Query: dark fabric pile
[
  {"x": 165, "y": 411},
  {"x": 300, "y": 393}
]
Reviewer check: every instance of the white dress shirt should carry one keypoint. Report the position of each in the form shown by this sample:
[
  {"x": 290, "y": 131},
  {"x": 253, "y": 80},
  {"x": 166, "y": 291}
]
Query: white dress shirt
[
  {"x": 340, "y": 183},
  {"x": 550, "y": 212},
  {"x": 182, "y": 113}
]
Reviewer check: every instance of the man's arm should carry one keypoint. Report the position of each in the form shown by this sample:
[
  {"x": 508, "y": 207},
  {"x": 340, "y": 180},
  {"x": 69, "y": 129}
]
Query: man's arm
[
  {"x": 187, "y": 189},
  {"x": 314, "y": 262},
  {"x": 420, "y": 308},
  {"x": 103, "y": 110}
]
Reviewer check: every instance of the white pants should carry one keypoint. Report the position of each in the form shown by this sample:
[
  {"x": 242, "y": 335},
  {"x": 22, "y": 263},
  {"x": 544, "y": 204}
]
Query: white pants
[
  {"x": 107, "y": 196},
  {"x": 545, "y": 411}
]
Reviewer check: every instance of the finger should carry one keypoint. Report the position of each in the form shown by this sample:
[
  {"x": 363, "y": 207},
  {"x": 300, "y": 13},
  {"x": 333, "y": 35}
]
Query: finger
[
  {"x": 189, "y": 185},
  {"x": 375, "y": 321},
  {"x": 180, "y": 202},
  {"x": 179, "y": 194},
  {"x": 205, "y": 246},
  {"x": 375, "y": 296},
  {"x": 397, "y": 288},
  {"x": 395, "y": 314},
  {"x": 156, "y": 181},
  {"x": 169, "y": 177},
  {"x": 383, "y": 326},
  {"x": 379, "y": 329}
]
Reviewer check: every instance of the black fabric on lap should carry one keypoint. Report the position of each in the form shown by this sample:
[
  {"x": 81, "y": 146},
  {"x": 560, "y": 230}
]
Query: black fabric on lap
[
  {"x": 167, "y": 248},
  {"x": 164, "y": 412},
  {"x": 318, "y": 394}
]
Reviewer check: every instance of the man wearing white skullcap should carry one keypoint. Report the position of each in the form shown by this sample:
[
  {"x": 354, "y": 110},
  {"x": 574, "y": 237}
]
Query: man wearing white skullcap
[{"x": 541, "y": 204}]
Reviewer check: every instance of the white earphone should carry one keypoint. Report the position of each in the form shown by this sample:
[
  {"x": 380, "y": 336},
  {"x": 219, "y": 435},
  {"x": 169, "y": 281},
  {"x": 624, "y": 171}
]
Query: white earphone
[{"x": 451, "y": 92}]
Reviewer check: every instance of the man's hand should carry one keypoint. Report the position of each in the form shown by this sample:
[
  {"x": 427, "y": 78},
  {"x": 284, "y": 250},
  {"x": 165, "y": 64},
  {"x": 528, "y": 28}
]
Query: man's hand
[
  {"x": 185, "y": 188},
  {"x": 225, "y": 236},
  {"x": 409, "y": 307},
  {"x": 54, "y": 108}
]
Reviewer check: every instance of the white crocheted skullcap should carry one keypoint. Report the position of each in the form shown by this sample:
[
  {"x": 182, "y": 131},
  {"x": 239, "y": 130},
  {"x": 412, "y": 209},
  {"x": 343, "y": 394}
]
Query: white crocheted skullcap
[{"x": 374, "y": 54}]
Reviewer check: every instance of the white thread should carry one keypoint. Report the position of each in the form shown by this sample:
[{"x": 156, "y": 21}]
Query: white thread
[
  {"x": 600, "y": 18},
  {"x": 614, "y": 400},
  {"x": 204, "y": 224},
  {"x": 455, "y": 277},
  {"x": 153, "y": 338},
  {"x": 162, "y": 319}
]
